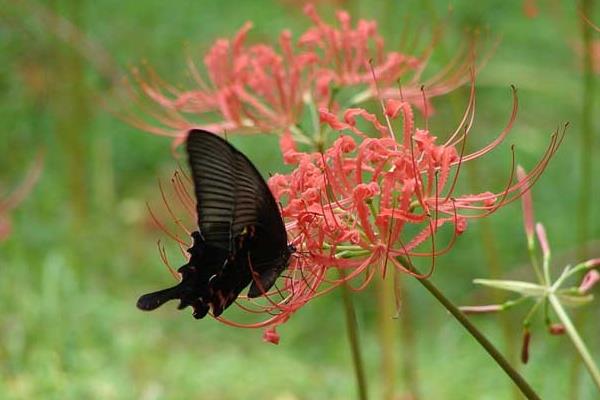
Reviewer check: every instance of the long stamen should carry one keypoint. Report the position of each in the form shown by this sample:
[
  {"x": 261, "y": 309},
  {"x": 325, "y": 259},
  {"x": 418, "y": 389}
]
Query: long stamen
[
  {"x": 387, "y": 119},
  {"x": 456, "y": 174},
  {"x": 162, "y": 227},
  {"x": 163, "y": 256},
  {"x": 175, "y": 219},
  {"x": 425, "y": 108}
]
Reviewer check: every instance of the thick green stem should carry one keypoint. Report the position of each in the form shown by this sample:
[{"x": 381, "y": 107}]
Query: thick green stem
[
  {"x": 576, "y": 339},
  {"x": 518, "y": 380},
  {"x": 352, "y": 331}
]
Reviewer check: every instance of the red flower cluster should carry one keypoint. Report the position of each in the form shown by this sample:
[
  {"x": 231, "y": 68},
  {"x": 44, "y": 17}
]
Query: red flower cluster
[
  {"x": 351, "y": 206},
  {"x": 369, "y": 199},
  {"x": 262, "y": 88}
]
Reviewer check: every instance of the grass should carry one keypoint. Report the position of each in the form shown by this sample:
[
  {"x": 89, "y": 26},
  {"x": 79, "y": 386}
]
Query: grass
[{"x": 69, "y": 280}]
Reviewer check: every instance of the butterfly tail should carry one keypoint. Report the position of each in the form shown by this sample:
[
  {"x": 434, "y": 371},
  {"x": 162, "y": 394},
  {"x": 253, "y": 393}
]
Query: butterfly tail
[{"x": 152, "y": 301}]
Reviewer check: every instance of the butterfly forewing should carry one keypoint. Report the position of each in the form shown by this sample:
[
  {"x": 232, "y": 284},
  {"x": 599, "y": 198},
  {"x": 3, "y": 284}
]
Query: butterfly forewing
[
  {"x": 231, "y": 194},
  {"x": 212, "y": 162}
]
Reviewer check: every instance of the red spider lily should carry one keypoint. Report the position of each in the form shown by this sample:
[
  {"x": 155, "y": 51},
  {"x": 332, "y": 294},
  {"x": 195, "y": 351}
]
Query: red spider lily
[
  {"x": 354, "y": 209},
  {"x": 264, "y": 88},
  {"x": 248, "y": 89},
  {"x": 10, "y": 201},
  {"x": 352, "y": 206}
]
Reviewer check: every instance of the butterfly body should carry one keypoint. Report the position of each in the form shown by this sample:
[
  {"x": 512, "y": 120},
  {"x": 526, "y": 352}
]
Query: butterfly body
[{"x": 241, "y": 239}]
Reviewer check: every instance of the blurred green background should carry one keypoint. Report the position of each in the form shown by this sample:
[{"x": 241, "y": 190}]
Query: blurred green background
[{"x": 82, "y": 248}]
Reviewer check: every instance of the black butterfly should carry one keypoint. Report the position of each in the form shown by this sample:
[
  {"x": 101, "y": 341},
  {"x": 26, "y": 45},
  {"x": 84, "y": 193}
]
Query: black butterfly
[{"x": 241, "y": 238}]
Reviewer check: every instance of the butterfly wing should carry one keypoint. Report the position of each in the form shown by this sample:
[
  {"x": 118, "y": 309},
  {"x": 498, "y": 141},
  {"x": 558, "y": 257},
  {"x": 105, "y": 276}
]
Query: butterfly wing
[
  {"x": 242, "y": 237},
  {"x": 233, "y": 199},
  {"x": 212, "y": 162}
]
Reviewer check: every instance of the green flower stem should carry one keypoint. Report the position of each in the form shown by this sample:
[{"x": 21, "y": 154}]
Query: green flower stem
[
  {"x": 527, "y": 391},
  {"x": 410, "y": 367},
  {"x": 587, "y": 115},
  {"x": 586, "y": 157},
  {"x": 352, "y": 331},
  {"x": 531, "y": 313},
  {"x": 387, "y": 336},
  {"x": 512, "y": 303},
  {"x": 575, "y": 338},
  {"x": 546, "y": 269},
  {"x": 534, "y": 260}
]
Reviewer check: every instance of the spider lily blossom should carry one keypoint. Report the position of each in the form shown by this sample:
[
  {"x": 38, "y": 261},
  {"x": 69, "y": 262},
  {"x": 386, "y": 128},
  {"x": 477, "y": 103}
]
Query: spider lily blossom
[
  {"x": 372, "y": 197},
  {"x": 366, "y": 201},
  {"x": 250, "y": 88}
]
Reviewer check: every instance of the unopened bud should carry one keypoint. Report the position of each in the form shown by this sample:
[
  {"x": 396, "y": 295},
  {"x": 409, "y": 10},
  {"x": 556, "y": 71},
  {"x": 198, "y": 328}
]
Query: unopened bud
[
  {"x": 525, "y": 346},
  {"x": 589, "y": 280},
  {"x": 270, "y": 335},
  {"x": 556, "y": 329}
]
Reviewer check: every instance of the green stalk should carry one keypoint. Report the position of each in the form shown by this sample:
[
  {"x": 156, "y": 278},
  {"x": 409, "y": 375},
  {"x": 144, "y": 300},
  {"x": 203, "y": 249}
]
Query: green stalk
[
  {"x": 387, "y": 334},
  {"x": 409, "y": 343},
  {"x": 352, "y": 331},
  {"x": 72, "y": 117},
  {"x": 587, "y": 114},
  {"x": 575, "y": 338},
  {"x": 583, "y": 209},
  {"x": 518, "y": 380}
]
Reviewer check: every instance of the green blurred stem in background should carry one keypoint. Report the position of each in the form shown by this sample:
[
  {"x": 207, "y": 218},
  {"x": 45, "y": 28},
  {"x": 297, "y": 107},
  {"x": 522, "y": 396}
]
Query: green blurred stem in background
[
  {"x": 387, "y": 336},
  {"x": 588, "y": 86},
  {"x": 409, "y": 343},
  {"x": 73, "y": 115},
  {"x": 583, "y": 211}
]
